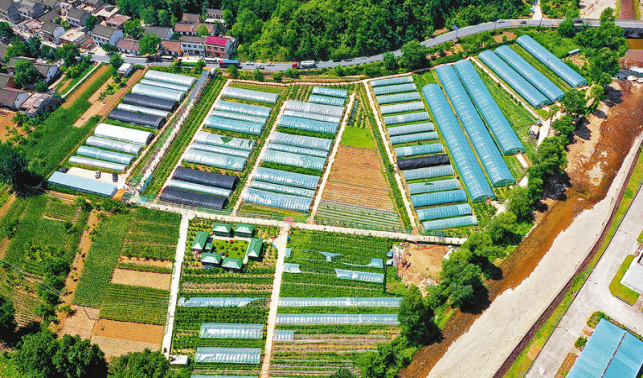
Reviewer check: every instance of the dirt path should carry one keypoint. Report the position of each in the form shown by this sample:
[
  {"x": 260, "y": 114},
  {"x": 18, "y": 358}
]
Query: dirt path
[
  {"x": 116, "y": 98},
  {"x": 81, "y": 90},
  {"x": 96, "y": 104}
]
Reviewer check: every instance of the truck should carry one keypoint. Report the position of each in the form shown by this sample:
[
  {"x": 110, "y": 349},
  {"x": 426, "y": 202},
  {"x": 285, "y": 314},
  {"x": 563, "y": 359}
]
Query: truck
[
  {"x": 226, "y": 62},
  {"x": 305, "y": 64}
]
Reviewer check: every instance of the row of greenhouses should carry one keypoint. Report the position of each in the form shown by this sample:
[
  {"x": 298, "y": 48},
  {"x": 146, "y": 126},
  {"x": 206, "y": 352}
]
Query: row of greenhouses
[
  {"x": 196, "y": 188},
  {"x": 251, "y": 95}
]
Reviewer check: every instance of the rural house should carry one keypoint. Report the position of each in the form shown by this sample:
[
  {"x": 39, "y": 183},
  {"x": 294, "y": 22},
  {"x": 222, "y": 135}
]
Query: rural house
[
  {"x": 104, "y": 34},
  {"x": 172, "y": 48},
  {"x": 232, "y": 264},
  {"x": 161, "y": 32},
  {"x": 12, "y": 98},
  {"x": 48, "y": 71},
  {"x": 51, "y": 32},
  {"x": 193, "y": 45},
  {"x": 222, "y": 229},
  {"x": 244, "y": 230},
  {"x": 9, "y": 11},
  {"x": 77, "y": 17},
  {"x": 200, "y": 241},
  {"x": 254, "y": 249}
]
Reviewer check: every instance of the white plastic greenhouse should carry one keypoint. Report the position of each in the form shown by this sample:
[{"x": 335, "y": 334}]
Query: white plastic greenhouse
[
  {"x": 170, "y": 78},
  {"x": 431, "y": 135},
  {"x": 215, "y": 301},
  {"x": 334, "y": 92},
  {"x": 400, "y": 108},
  {"x": 231, "y": 331},
  {"x": 282, "y": 189},
  {"x": 307, "y": 107},
  {"x": 163, "y": 85},
  {"x": 429, "y": 172},
  {"x": 199, "y": 188},
  {"x": 97, "y": 163},
  {"x": 115, "y": 157},
  {"x": 221, "y": 150},
  {"x": 123, "y": 134},
  {"x": 394, "y": 89},
  {"x": 224, "y": 141},
  {"x": 318, "y": 117},
  {"x": 341, "y": 302},
  {"x": 405, "y": 118},
  {"x": 238, "y": 116},
  {"x": 434, "y": 186},
  {"x": 113, "y": 145},
  {"x": 399, "y": 97},
  {"x": 228, "y": 355},
  {"x": 298, "y": 150},
  {"x": 235, "y": 107},
  {"x": 233, "y": 125},
  {"x": 246, "y": 94},
  {"x": 448, "y": 211},
  {"x": 392, "y": 81},
  {"x": 214, "y": 160},
  {"x": 156, "y": 92},
  {"x": 302, "y": 141},
  {"x": 287, "y": 178},
  {"x": 550, "y": 60},
  {"x": 421, "y": 149},
  {"x": 295, "y": 160},
  {"x": 443, "y": 224},
  {"x": 140, "y": 109},
  {"x": 411, "y": 129},
  {"x": 307, "y": 124},
  {"x": 326, "y": 100},
  {"x": 277, "y": 200}
]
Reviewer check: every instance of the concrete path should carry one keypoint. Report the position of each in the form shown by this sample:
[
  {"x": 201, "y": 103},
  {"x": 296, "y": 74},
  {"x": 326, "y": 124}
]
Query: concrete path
[{"x": 538, "y": 14}]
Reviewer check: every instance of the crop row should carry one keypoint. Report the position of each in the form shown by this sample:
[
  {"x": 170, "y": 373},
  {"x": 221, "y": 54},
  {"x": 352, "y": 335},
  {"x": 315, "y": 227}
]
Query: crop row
[
  {"x": 60, "y": 210},
  {"x": 135, "y": 304},
  {"x": 339, "y": 243},
  {"x": 191, "y": 318},
  {"x": 155, "y": 252},
  {"x": 194, "y": 342}
]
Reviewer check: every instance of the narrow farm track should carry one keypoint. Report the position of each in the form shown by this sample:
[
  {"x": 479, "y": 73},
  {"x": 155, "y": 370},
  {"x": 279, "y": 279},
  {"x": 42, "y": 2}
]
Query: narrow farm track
[{"x": 88, "y": 83}]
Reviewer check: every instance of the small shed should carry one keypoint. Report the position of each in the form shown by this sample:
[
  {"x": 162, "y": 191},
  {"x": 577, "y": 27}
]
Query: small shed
[
  {"x": 254, "y": 249},
  {"x": 125, "y": 70},
  {"x": 222, "y": 229},
  {"x": 200, "y": 240},
  {"x": 211, "y": 260},
  {"x": 232, "y": 264},
  {"x": 389, "y": 254},
  {"x": 534, "y": 131},
  {"x": 244, "y": 230},
  {"x": 208, "y": 247}
]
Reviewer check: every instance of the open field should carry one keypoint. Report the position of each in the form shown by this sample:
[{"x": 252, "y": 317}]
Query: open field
[{"x": 152, "y": 280}]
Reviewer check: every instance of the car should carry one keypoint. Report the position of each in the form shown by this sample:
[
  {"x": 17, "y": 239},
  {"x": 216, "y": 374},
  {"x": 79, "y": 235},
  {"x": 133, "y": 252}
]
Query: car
[
  {"x": 270, "y": 64},
  {"x": 97, "y": 174},
  {"x": 114, "y": 177},
  {"x": 348, "y": 60},
  {"x": 500, "y": 21},
  {"x": 337, "y": 60},
  {"x": 63, "y": 170},
  {"x": 250, "y": 63},
  {"x": 523, "y": 22},
  {"x": 261, "y": 66}
]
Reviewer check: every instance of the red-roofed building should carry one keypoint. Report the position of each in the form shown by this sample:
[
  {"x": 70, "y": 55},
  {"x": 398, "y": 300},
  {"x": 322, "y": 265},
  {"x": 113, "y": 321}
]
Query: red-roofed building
[{"x": 219, "y": 47}]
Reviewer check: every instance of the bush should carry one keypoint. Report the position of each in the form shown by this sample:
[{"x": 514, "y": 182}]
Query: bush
[{"x": 580, "y": 342}]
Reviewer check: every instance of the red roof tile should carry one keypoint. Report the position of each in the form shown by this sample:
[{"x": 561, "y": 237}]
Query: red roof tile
[{"x": 216, "y": 41}]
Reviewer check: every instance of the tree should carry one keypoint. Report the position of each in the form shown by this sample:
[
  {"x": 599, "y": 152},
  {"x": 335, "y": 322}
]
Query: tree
[
  {"x": 41, "y": 87},
  {"x": 68, "y": 53},
  {"x": 149, "y": 44},
  {"x": 17, "y": 48},
  {"x": 464, "y": 281},
  {"x": 416, "y": 317},
  {"x": 566, "y": 28},
  {"x": 233, "y": 71},
  {"x": 140, "y": 364},
  {"x": 35, "y": 356},
  {"x": 7, "y": 319},
  {"x": 202, "y": 31},
  {"x": 343, "y": 373},
  {"x": 91, "y": 22},
  {"x": 133, "y": 29},
  {"x": 164, "y": 18},
  {"x": 257, "y": 75},
  {"x": 502, "y": 228},
  {"x": 390, "y": 62},
  {"x": 14, "y": 169},
  {"x": 277, "y": 76},
  {"x": 26, "y": 73},
  {"x": 565, "y": 126},
  {"x": 110, "y": 49},
  {"x": 574, "y": 102},
  {"x": 6, "y": 31},
  {"x": 292, "y": 73},
  {"x": 607, "y": 15},
  {"x": 598, "y": 92},
  {"x": 33, "y": 47},
  {"x": 149, "y": 15},
  {"x": 413, "y": 55},
  {"x": 521, "y": 204},
  {"x": 387, "y": 361},
  {"x": 339, "y": 70},
  {"x": 116, "y": 60}
]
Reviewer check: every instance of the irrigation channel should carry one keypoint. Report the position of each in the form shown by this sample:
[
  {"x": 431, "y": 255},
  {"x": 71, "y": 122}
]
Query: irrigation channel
[{"x": 617, "y": 133}]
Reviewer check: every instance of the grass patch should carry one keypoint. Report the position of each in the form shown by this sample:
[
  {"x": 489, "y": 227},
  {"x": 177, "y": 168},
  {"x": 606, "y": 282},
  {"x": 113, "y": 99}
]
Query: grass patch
[
  {"x": 135, "y": 304},
  {"x": 619, "y": 290},
  {"x": 291, "y": 168},
  {"x": 76, "y": 80},
  {"x": 514, "y": 166},
  {"x": 358, "y": 137},
  {"x": 235, "y": 249}
]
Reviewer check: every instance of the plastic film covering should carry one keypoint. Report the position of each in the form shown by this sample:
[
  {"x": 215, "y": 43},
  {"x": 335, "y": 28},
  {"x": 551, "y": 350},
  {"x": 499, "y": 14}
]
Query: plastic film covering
[
  {"x": 233, "y": 125},
  {"x": 171, "y": 78},
  {"x": 235, "y": 107},
  {"x": 411, "y": 129},
  {"x": 123, "y": 134},
  {"x": 404, "y": 118},
  {"x": 434, "y": 186},
  {"x": 298, "y": 150},
  {"x": 414, "y": 137},
  {"x": 238, "y": 116},
  {"x": 97, "y": 163},
  {"x": 286, "y": 178},
  {"x": 537, "y": 79},
  {"x": 628, "y": 358},
  {"x": 291, "y": 268},
  {"x": 333, "y": 92},
  {"x": 394, "y": 89},
  {"x": 317, "y": 117},
  {"x": 115, "y": 157},
  {"x": 392, "y": 81},
  {"x": 161, "y": 84},
  {"x": 224, "y": 141},
  {"x": 422, "y": 162},
  {"x": 513, "y": 78},
  {"x": 142, "y": 110},
  {"x": 199, "y": 188},
  {"x": 341, "y": 302},
  {"x": 214, "y": 160},
  {"x": 215, "y": 301},
  {"x": 400, "y": 108},
  {"x": 334, "y": 101},
  {"x": 430, "y": 172},
  {"x": 465, "y": 161},
  {"x": 400, "y": 97},
  {"x": 282, "y": 189},
  {"x": 162, "y": 93},
  {"x": 149, "y": 102},
  {"x": 422, "y": 149},
  {"x": 337, "y": 319},
  {"x": 221, "y": 150},
  {"x": 284, "y": 335},
  {"x": 443, "y": 224},
  {"x": 189, "y": 198},
  {"x": 228, "y": 355},
  {"x": 479, "y": 136},
  {"x": 302, "y": 141},
  {"x": 308, "y": 124},
  {"x": 137, "y": 118},
  {"x": 280, "y": 201},
  {"x": 496, "y": 120},
  {"x": 295, "y": 160},
  {"x": 307, "y": 107},
  {"x": 355, "y": 275},
  {"x": 246, "y": 94},
  {"x": 113, "y": 145},
  {"x": 448, "y": 211},
  {"x": 231, "y": 331},
  {"x": 551, "y": 61},
  {"x": 82, "y": 184},
  {"x": 439, "y": 198},
  {"x": 205, "y": 178}
]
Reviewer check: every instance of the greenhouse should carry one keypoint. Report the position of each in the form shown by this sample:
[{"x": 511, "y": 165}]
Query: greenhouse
[
  {"x": 333, "y": 92},
  {"x": 171, "y": 78},
  {"x": 193, "y": 199},
  {"x": 247, "y": 94},
  {"x": 224, "y": 141},
  {"x": 286, "y": 178},
  {"x": 411, "y": 129},
  {"x": 283, "y": 336},
  {"x": 466, "y": 162},
  {"x": 341, "y": 302},
  {"x": 239, "y": 117},
  {"x": 113, "y": 145},
  {"x": 199, "y": 188},
  {"x": 307, "y": 124},
  {"x": 291, "y": 268},
  {"x": 162, "y": 93},
  {"x": 439, "y": 198},
  {"x": 114, "y": 157},
  {"x": 434, "y": 186},
  {"x": 214, "y": 160},
  {"x": 82, "y": 184},
  {"x": 496, "y": 120},
  {"x": 400, "y": 97},
  {"x": 485, "y": 148},
  {"x": 302, "y": 141},
  {"x": 311, "y": 162},
  {"x": 422, "y": 149},
  {"x": 205, "y": 178},
  {"x": 149, "y": 102},
  {"x": 307, "y": 107},
  {"x": 216, "y": 301},
  {"x": 551, "y": 61},
  {"x": 163, "y": 85},
  {"x": 405, "y": 118},
  {"x": 414, "y": 137},
  {"x": 400, "y": 108},
  {"x": 513, "y": 78},
  {"x": 235, "y": 107},
  {"x": 221, "y": 150},
  {"x": 422, "y": 162},
  {"x": 394, "y": 89},
  {"x": 337, "y": 319},
  {"x": 392, "y": 81},
  {"x": 228, "y": 355},
  {"x": 359, "y": 276},
  {"x": 334, "y": 101},
  {"x": 282, "y": 189},
  {"x": 430, "y": 172},
  {"x": 317, "y": 117},
  {"x": 233, "y": 125},
  {"x": 123, "y": 134},
  {"x": 448, "y": 211},
  {"x": 443, "y": 224},
  {"x": 231, "y": 331},
  {"x": 280, "y": 201},
  {"x": 142, "y": 110},
  {"x": 97, "y": 163},
  {"x": 137, "y": 118},
  {"x": 298, "y": 150}
]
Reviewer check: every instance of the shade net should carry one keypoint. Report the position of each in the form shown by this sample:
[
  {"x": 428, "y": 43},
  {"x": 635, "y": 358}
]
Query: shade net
[
  {"x": 422, "y": 162},
  {"x": 193, "y": 199},
  {"x": 205, "y": 178}
]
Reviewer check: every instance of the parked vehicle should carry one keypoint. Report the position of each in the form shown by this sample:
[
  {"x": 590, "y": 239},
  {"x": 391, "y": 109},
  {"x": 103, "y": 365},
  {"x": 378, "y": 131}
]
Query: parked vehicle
[
  {"x": 226, "y": 62},
  {"x": 114, "y": 177},
  {"x": 97, "y": 174}
]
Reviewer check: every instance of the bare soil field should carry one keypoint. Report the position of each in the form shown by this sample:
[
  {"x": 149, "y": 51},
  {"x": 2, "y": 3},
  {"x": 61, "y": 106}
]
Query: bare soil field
[
  {"x": 593, "y": 8},
  {"x": 113, "y": 347},
  {"x": 145, "y": 279},
  {"x": 357, "y": 195},
  {"x": 7, "y": 124},
  {"x": 421, "y": 264},
  {"x": 81, "y": 322},
  {"x": 144, "y": 262},
  {"x": 144, "y": 333},
  {"x": 80, "y": 90},
  {"x": 116, "y": 98}
]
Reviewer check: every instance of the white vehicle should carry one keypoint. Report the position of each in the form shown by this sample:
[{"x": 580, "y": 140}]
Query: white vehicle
[
  {"x": 270, "y": 64},
  {"x": 249, "y": 63}
]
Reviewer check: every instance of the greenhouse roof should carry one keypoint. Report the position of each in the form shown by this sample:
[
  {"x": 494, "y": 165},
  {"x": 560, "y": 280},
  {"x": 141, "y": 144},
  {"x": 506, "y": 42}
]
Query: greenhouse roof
[
  {"x": 284, "y": 335},
  {"x": 337, "y": 319},
  {"x": 244, "y": 228},
  {"x": 200, "y": 239},
  {"x": 247, "y": 94},
  {"x": 400, "y": 108},
  {"x": 326, "y": 100},
  {"x": 82, "y": 184},
  {"x": 224, "y": 141},
  {"x": 359, "y": 276},
  {"x": 211, "y": 258},
  {"x": 392, "y": 81},
  {"x": 343, "y": 93},
  {"x": 268, "y": 186},
  {"x": 448, "y": 211},
  {"x": 307, "y": 107},
  {"x": 232, "y": 263},
  {"x": 254, "y": 247},
  {"x": 287, "y": 178},
  {"x": 277, "y": 200},
  {"x": 307, "y": 124},
  {"x": 236, "y": 107},
  {"x": 394, "y": 89},
  {"x": 420, "y": 149},
  {"x": 443, "y": 224},
  {"x": 228, "y": 355},
  {"x": 291, "y": 268},
  {"x": 216, "y": 301},
  {"x": 551, "y": 61},
  {"x": 231, "y": 331},
  {"x": 302, "y": 141},
  {"x": 340, "y": 302},
  {"x": 199, "y": 188}
]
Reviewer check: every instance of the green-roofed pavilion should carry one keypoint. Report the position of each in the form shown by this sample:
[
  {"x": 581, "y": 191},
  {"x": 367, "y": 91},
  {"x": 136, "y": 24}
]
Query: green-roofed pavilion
[
  {"x": 200, "y": 240},
  {"x": 222, "y": 229},
  {"x": 211, "y": 259},
  {"x": 244, "y": 230},
  {"x": 232, "y": 264},
  {"x": 254, "y": 248}
]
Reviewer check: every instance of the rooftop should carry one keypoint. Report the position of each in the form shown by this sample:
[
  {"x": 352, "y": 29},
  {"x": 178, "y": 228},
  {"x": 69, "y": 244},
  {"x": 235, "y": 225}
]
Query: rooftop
[
  {"x": 191, "y": 18},
  {"x": 160, "y": 31},
  {"x": 50, "y": 27},
  {"x": 192, "y": 39},
  {"x": 174, "y": 46},
  {"x": 9, "y": 95},
  {"x": 103, "y": 31},
  {"x": 218, "y": 41},
  {"x": 185, "y": 28},
  {"x": 127, "y": 44},
  {"x": 76, "y": 14}
]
